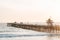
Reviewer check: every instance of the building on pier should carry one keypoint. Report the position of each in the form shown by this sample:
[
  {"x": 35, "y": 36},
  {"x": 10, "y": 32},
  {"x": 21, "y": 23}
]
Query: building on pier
[{"x": 49, "y": 22}]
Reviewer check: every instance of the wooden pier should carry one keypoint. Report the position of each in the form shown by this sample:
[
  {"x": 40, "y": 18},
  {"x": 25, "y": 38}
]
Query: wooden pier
[
  {"x": 50, "y": 28},
  {"x": 39, "y": 28}
]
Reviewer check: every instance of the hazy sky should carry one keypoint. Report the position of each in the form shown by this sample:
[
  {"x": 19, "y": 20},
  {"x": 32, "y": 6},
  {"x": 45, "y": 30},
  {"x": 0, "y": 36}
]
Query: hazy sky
[{"x": 29, "y": 10}]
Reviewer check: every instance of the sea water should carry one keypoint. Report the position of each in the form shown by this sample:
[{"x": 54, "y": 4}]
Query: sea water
[{"x": 12, "y": 33}]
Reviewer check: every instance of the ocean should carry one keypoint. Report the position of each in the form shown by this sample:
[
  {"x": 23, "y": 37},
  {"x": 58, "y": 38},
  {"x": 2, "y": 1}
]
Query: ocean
[{"x": 12, "y": 33}]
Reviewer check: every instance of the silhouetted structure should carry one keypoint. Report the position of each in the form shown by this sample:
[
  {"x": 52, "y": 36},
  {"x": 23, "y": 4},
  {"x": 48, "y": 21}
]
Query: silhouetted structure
[
  {"x": 50, "y": 22},
  {"x": 41, "y": 28}
]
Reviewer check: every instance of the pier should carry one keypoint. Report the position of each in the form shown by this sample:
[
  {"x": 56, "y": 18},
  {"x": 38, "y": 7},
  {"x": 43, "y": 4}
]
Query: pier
[
  {"x": 50, "y": 28},
  {"x": 39, "y": 28}
]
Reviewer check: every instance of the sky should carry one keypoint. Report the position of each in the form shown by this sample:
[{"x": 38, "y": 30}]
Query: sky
[{"x": 29, "y": 10}]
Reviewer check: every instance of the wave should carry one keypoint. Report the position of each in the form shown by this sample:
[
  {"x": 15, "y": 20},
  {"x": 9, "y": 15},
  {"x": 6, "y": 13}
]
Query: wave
[
  {"x": 29, "y": 35},
  {"x": 16, "y": 35}
]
